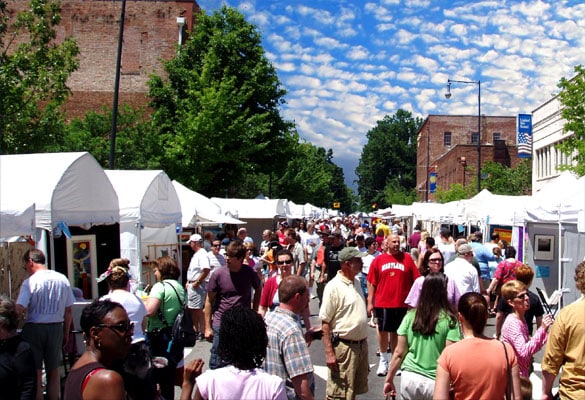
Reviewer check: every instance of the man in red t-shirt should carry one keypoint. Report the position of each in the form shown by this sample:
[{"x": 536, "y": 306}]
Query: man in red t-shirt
[{"x": 391, "y": 275}]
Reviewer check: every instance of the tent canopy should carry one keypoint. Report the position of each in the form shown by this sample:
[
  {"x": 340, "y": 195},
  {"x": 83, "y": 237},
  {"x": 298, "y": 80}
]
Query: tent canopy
[
  {"x": 65, "y": 187},
  {"x": 561, "y": 200},
  {"x": 198, "y": 209},
  {"x": 16, "y": 219},
  {"x": 254, "y": 208},
  {"x": 147, "y": 197}
]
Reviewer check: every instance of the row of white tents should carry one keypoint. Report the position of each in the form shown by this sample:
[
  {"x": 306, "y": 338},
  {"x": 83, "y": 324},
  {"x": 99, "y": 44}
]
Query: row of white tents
[
  {"x": 555, "y": 213},
  {"x": 45, "y": 194},
  {"x": 562, "y": 199}
]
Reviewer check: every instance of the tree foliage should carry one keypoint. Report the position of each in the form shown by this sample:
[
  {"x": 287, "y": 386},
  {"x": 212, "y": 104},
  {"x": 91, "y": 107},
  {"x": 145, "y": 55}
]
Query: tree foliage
[
  {"x": 500, "y": 179},
  {"x": 572, "y": 98},
  {"x": 217, "y": 112},
  {"x": 136, "y": 144},
  {"x": 455, "y": 192},
  {"x": 387, "y": 166},
  {"x": 33, "y": 73}
]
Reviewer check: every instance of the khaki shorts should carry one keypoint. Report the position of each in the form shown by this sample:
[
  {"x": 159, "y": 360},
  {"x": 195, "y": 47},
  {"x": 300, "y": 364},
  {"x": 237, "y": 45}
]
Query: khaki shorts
[{"x": 352, "y": 377}]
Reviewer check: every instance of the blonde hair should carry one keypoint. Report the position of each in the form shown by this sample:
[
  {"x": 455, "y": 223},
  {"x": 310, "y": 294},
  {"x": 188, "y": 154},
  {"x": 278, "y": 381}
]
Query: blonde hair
[
  {"x": 119, "y": 276},
  {"x": 511, "y": 289}
]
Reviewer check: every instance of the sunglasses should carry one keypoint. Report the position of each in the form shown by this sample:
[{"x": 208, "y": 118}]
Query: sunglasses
[
  {"x": 522, "y": 296},
  {"x": 434, "y": 260},
  {"x": 122, "y": 328},
  {"x": 287, "y": 262}
]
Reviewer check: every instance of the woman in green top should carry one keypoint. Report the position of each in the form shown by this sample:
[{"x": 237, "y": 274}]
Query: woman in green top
[
  {"x": 162, "y": 307},
  {"x": 422, "y": 336}
]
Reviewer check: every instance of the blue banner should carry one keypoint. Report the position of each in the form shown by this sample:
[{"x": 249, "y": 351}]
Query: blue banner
[
  {"x": 433, "y": 182},
  {"x": 524, "y": 135}
]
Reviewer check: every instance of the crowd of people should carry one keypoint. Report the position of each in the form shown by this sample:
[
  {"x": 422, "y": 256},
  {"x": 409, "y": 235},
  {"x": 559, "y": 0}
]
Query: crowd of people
[{"x": 429, "y": 299}]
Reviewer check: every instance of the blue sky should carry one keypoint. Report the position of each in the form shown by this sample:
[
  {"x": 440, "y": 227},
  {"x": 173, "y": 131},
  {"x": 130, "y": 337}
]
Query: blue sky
[{"x": 347, "y": 63}]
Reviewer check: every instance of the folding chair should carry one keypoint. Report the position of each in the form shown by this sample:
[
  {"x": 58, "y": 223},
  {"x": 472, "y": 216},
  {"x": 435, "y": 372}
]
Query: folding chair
[{"x": 551, "y": 304}]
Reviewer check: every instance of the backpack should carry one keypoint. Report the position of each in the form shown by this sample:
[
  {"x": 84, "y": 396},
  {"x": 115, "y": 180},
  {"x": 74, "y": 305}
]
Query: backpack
[{"x": 182, "y": 331}]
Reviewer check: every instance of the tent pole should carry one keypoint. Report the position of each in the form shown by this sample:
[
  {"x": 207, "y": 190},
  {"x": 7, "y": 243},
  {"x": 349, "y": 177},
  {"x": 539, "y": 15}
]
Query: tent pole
[{"x": 139, "y": 254}]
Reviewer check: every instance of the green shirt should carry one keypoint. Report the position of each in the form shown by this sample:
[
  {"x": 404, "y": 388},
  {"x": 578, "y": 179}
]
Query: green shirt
[
  {"x": 423, "y": 351},
  {"x": 169, "y": 303}
]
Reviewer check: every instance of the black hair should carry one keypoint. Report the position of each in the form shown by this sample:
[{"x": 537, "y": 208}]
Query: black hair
[
  {"x": 94, "y": 313},
  {"x": 242, "y": 338},
  {"x": 432, "y": 302}
]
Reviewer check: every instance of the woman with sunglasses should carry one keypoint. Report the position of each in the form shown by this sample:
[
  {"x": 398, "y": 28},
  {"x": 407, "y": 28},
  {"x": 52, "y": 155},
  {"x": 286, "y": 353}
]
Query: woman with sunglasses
[
  {"x": 136, "y": 369},
  {"x": 107, "y": 331},
  {"x": 269, "y": 299},
  {"x": 515, "y": 330},
  {"x": 432, "y": 262}
]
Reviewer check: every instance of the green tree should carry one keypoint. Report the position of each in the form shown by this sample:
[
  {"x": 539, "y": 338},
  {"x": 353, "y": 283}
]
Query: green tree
[
  {"x": 572, "y": 97},
  {"x": 500, "y": 179},
  {"x": 136, "y": 144},
  {"x": 33, "y": 73},
  {"x": 311, "y": 176},
  {"x": 387, "y": 167},
  {"x": 455, "y": 192},
  {"x": 217, "y": 111}
]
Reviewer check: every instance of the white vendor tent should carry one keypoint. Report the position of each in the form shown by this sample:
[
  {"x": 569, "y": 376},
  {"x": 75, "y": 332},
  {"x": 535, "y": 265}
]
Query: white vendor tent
[
  {"x": 16, "y": 219},
  {"x": 68, "y": 190},
  {"x": 556, "y": 225},
  {"x": 200, "y": 210},
  {"x": 65, "y": 187},
  {"x": 150, "y": 212},
  {"x": 260, "y": 214}
]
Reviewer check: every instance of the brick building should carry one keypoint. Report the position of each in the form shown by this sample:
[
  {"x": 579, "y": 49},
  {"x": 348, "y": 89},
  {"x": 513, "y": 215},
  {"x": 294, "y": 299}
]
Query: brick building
[
  {"x": 151, "y": 34},
  {"x": 447, "y": 145}
]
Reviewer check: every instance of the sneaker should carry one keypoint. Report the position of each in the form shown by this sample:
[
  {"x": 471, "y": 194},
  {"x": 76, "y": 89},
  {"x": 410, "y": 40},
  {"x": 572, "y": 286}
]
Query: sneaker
[{"x": 382, "y": 368}]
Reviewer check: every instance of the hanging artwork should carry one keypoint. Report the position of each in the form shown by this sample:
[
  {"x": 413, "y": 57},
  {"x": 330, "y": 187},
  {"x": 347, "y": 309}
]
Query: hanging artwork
[{"x": 82, "y": 264}]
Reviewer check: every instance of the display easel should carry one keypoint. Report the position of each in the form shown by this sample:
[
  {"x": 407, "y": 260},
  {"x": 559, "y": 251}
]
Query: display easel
[{"x": 155, "y": 251}]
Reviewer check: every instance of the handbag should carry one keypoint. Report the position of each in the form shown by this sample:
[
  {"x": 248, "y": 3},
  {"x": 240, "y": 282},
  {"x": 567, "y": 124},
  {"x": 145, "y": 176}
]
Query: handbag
[
  {"x": 509, "y": 372},
  {"x": 182, "y": 330}
]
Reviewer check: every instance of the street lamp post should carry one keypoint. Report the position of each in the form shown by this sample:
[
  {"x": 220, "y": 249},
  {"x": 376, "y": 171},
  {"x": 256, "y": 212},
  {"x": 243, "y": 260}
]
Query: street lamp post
[{"x": 448, "y": 96}]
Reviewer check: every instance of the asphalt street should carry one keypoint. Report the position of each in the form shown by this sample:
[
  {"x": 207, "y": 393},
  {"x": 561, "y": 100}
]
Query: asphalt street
[{"x": 375, "y": 383}]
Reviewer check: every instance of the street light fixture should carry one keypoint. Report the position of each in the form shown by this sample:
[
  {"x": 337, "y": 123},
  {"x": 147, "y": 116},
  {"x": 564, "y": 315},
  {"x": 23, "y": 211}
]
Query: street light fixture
[{"x": 448, "y": 96}]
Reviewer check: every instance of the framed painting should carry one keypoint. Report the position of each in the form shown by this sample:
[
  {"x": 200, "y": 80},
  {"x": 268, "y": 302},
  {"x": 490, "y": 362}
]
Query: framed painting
[
  {"x": 544, "y": 247},
  {"x": 82, "y": 264}
]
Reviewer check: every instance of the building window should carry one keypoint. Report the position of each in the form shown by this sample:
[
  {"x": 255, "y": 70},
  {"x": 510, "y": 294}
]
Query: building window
[
  {"x": 496, "y": 136},
  {"x": 474, "y": 138},
  {"x": 447, "y": 139}
]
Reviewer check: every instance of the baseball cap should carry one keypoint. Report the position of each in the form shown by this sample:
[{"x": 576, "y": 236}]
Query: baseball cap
[
  {"x": 195, "y": 238},
  {"x": 464, "y": 249},
  {"x": 348, "y": 253}
]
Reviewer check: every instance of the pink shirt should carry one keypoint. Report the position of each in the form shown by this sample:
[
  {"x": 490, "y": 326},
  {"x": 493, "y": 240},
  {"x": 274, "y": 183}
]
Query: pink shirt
[
  {"x": 515, "y": 332},
  {"x": 232, "y": 383}
]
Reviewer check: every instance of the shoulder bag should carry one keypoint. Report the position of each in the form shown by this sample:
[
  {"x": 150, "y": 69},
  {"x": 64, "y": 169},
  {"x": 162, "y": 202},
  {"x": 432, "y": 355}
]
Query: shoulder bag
[
  {"x": 509, "y": 372},
  {"x": 182, "y": 330}
]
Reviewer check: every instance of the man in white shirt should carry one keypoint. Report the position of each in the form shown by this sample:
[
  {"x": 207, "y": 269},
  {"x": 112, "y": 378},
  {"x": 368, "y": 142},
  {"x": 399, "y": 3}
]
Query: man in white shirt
[
  {"x": 199, "y": 268},
  {"x": 462, "y": 272},
  {"x": 47, "y": 298}
]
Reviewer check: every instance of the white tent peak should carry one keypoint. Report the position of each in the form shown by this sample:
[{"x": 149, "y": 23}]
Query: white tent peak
[
  {"x": 147, "y": 196},
  {"x": 65, "y": 187}
]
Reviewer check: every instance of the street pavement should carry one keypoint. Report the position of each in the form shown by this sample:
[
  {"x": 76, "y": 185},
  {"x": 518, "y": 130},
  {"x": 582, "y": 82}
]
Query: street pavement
[{"x": 375, "y": 383}]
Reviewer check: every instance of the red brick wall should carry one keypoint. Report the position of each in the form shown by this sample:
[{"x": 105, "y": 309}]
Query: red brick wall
[
  {"x": 444, "y": 159},
  {"x": 150, "y": 35}
]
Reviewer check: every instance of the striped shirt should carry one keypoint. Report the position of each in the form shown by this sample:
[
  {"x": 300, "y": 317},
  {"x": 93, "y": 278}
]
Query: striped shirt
[{"x": 515, "y": 332}]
